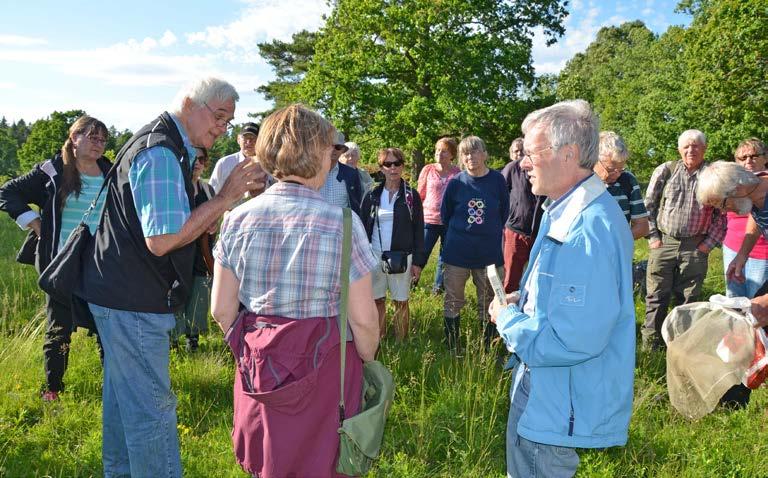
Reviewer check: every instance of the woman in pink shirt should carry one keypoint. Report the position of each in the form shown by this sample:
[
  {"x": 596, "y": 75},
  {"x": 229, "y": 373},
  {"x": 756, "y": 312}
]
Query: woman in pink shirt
[
  {"x": 433, "y": 179},
  {"x": 751, "y": 154}
]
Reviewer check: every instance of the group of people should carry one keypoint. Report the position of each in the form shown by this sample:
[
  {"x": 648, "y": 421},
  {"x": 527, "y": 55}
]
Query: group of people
[{"x": 558, "y": 224}]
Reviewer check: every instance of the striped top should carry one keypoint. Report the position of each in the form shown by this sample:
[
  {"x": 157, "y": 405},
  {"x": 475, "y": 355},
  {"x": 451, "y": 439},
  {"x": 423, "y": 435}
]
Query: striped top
[
  {"x": 761, "y": 218},
  {"x": 633, "y": 207},
  {"x": 284, "y": 247},
  {"x": 75, "y": 207}
]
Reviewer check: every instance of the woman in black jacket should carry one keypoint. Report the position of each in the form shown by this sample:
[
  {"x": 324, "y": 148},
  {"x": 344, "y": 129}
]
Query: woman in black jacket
[
  {"x": 394, "y": 220},
  {"x": 62, "y": 188}
]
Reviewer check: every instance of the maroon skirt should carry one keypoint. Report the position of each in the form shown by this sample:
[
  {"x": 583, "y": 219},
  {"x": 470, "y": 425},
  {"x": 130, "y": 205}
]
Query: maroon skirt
[{"x": 286, "y": 395}]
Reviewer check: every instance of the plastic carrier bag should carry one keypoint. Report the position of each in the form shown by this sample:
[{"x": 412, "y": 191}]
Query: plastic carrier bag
[{"x": 711, "y": 346}]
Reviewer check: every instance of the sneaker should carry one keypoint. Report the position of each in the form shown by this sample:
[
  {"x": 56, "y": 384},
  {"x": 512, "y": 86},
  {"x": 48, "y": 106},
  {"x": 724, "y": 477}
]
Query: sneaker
[
  {"x": 192, "y": 345},
  {"x": 50, "y": 396}
]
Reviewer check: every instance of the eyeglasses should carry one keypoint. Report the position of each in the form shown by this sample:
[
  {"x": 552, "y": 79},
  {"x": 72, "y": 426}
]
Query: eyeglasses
[
  {"x": 748, "y": 157},
  {"x": 611, "y": 170},
  {"x": 531, "y": 155},
  {"x": 391, "y": 164},
  {"x": 341, "y": 148},
  {"x": 220, "y": 119},
  {"x": 96, "y": 139}
]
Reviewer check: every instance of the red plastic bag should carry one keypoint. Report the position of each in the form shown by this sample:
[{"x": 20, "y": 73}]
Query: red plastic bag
[{"x": 758, "y": 369}]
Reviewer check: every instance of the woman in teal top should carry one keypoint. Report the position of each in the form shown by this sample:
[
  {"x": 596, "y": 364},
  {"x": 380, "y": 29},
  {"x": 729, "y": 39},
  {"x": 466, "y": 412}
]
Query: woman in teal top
[{"x": 62, "y": 188}]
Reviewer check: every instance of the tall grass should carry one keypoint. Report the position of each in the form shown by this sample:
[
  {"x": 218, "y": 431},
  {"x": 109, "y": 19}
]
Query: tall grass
[{"x": 448, "y": 418}]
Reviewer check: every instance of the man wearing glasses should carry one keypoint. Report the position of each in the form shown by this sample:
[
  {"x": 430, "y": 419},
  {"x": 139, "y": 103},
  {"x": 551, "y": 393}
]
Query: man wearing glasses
[
  {"x": 683, "y": 232},
  {"x": 611, "y": 168},
  {"x": 572, "y": 328},
  {"x": 138, "y": 271},
  {"x": 342, "y": 186},
  {"x": 246, "y": 139}
]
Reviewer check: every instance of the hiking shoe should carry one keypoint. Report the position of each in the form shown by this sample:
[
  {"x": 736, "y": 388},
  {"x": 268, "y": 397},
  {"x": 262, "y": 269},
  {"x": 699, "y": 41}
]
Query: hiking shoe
[{"x": 50, "y": 396}]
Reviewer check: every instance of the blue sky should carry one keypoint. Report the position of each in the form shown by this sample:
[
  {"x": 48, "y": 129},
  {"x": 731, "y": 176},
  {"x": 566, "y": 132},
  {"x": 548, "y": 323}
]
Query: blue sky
[{"x": 123, "y": 61}]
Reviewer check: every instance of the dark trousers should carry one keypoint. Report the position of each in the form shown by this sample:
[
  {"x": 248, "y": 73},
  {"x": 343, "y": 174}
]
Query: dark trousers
[
  {"x": 675, "y": 270},
  {"x": 58, "y": 336}
]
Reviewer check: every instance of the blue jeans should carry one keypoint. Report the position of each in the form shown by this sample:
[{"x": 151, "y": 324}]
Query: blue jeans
[
  {"x": 527, "y": 459},
  {"x": 755, "y": 272},
  {"x": 139, "y": 409},
  {"x": 433, "y": 232}
]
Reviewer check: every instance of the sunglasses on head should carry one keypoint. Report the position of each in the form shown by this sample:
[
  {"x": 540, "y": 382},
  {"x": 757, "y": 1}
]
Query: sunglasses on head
[{"x": 390, "y": 164}]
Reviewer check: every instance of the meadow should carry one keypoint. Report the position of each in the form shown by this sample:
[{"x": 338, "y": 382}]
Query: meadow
[{"x": 448, "y": 419}]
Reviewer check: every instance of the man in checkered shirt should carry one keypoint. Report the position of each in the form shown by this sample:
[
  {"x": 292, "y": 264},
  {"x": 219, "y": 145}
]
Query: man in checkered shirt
[{"x": 682, "y": 234}]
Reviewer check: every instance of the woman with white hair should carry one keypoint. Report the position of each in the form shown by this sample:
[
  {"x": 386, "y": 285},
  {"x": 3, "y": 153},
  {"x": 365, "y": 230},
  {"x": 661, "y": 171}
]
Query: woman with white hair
[
  {"x": 750, "y": 154},
  {"x": 351, "y": 158},
  {"x": 731, "y": 187}
]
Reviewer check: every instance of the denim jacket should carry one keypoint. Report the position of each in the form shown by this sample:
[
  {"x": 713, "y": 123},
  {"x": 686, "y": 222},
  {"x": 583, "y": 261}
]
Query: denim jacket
[{"x": 579, "y": 343}]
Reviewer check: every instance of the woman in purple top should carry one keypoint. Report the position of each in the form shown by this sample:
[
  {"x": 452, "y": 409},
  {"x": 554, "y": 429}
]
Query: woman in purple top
[{"x": 279, "y": 255}]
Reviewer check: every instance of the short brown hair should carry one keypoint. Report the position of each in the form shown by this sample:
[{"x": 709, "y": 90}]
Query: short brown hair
[
  {"x": 449, "y": 143},
  {"x": 396, "y": 152},
  {"x": 291, "y": 142}
]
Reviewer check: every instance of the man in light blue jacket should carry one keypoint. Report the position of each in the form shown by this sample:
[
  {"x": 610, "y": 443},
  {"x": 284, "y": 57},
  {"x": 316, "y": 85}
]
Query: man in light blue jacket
[{"x": 573, "y": 328}]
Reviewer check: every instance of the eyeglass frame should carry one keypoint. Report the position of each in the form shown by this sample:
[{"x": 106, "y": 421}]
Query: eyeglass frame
[
  {"x": 227, "y": 124},
  {"x": 90, "y": 137},
  {"x": 611, "y": 170},
  {"x": 392, "y": 164},
  {"x": 748, "y": 157},
  {"x": 529, "y": 156}
]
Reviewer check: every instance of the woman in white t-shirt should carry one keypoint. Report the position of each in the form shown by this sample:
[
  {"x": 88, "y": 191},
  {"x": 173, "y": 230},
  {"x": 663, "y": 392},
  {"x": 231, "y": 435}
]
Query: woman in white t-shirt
[{"x": 393, "y": 218}]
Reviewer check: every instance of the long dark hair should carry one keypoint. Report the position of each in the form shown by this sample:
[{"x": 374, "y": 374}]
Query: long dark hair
[{"x": 71, "y": 176}]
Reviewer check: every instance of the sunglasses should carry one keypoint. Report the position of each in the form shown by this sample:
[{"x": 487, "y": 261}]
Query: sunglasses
[
  {"x": 391, "y": 164},
  {"x": 341, "y": 148}
]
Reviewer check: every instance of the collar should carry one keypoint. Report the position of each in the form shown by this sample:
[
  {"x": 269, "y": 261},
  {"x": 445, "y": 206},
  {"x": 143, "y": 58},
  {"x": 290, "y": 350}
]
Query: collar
[
  {"x": 187, "y": 143},
  {"x": 564, "y": 211},
  {"x": 334, "y": 171}
]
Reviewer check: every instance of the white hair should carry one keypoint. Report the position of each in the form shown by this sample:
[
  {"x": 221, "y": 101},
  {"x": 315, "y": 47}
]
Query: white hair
[
  {"x": 569, "y": 122},
  {"x": 720, "y": 179},
  {"x": 693, "y": 134},
  {"x": 353, "y": 147},
  {"x": 612, "y": 145},
  {"x": 202, "y": 91}
]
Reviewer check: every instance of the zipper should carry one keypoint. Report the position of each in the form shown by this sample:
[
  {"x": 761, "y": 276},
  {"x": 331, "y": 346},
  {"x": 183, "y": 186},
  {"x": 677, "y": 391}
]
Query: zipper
[{"x": 571, "y": 418}]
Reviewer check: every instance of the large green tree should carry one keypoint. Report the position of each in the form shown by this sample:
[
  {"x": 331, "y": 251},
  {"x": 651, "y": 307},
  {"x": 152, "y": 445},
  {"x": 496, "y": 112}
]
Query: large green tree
[
  {"x": 709, "y": 76},
  {"x": 290, "y": 62},
  {"x": 726, "y": 56},
  {"x": 9, "y": 163},
  {"x": 46, "y": 138},
  {"x": 404, "y": 72}
]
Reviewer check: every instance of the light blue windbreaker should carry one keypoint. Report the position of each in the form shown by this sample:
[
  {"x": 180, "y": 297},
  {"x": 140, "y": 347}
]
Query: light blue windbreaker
[{"x": 580, "y": 342}]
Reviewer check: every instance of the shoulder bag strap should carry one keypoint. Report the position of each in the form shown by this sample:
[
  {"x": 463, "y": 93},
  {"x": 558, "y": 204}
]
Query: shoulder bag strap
[
  {"x": 107, "y": 176},
  {"x": 346, "y": 249}
]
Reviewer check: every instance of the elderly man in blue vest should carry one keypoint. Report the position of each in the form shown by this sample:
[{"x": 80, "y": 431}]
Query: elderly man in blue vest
[
  {"x": 572, "y": 330},
  {"x": 138, "y": 272}
]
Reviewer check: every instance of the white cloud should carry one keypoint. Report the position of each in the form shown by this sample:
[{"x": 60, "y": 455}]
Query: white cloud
[
  {"x": 18, "y": 40},
  {"x": 130, "y": 63},
  {"x": 260, "y": 21},
  {"x": 168, "y": 39}
]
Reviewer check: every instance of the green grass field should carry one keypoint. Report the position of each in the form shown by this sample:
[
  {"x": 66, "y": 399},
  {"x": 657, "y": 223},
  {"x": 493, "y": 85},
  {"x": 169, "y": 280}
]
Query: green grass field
[{"x": 448, "y": 418}]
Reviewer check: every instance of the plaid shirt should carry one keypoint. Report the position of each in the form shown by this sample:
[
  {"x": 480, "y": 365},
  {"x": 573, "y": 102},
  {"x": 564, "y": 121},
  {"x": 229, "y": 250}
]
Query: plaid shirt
[
  {"x": 284, "y": 247},
  {"x": 333, "y": 190},
  {"x": 157, "y": 186},
  {"x": 681, "y": 215}
]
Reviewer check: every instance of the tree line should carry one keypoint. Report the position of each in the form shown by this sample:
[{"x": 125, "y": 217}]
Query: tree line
[{"x": 406, "y": 72}]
